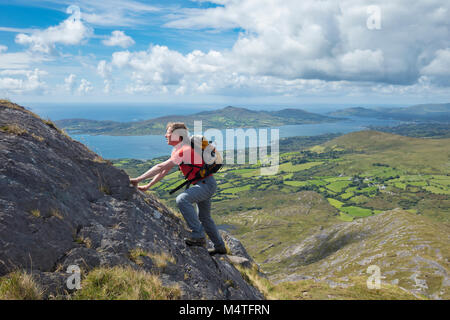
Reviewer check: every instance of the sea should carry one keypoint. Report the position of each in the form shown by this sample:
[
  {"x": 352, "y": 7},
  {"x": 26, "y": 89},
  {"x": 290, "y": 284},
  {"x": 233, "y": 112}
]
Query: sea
[{"x": 152, "y": 146}]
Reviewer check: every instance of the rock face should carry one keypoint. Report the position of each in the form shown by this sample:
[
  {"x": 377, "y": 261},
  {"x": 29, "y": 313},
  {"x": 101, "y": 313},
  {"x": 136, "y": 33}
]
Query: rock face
[{"x": 61, "y": 204}]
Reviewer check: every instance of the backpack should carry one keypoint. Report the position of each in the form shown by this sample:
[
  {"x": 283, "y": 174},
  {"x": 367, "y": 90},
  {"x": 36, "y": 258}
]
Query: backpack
[{"x": 211, "y": 157}]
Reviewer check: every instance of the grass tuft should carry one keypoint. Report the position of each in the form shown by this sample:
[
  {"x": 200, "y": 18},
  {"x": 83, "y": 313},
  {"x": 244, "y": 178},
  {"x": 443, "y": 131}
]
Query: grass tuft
[
  {"x": 13, "y": 129},
  {"x": 253, "y": 277},
  {"x": 56, "y": 213},
  {"x": 105, "y": 189},
  {"x": 36, "y": 213},
  {"x": 161, "y": 260},
  {"x": 100, "y": 159},
  {"x": 124, "y": 283},
  {"x": 19, "y": 285},
  {"x": 84, "y": 241},
  {"x": 37, "y": 137},
  {"x": 50, "y": 123}
]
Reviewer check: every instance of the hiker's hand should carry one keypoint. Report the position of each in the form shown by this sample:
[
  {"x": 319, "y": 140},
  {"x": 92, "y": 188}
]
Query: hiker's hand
[
  {"x": 134, "y": 182},
  {"x": 144, "y": 188}
]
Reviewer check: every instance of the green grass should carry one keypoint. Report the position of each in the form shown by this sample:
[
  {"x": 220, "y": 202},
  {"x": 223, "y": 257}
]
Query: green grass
[
  {"x": 356, "y": 211},
  {"x": 289, "y": 167},
  {"x": 345, "y": 217},
  {"x": 296, "y": 183},
  {"x": 335, "y": 179},
  {"x": 13, "y": 129},
  {"x": 161, "y": 260},
  {"x": 335, "y": 203},
  {"x": 437, "y": 190},
  {"x": 317, "y": 182},
  {"x": 237, "y": 189},
  {"x": 357, "y": 290},
  {"x": 347, "y": 195},
  {"x": 124, "y": 283},
  {"x": 338, "y": 186},
  {"x": 247, "y": 173},
  {"x": 19, "y": 285},
  {"x": 359, "y": 199},
  {"x": 35, "y": 213}
]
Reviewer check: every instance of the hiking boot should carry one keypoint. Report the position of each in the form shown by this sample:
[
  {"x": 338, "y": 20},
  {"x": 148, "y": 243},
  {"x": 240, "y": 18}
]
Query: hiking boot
[
  {"x": 219, "y": 250},
  {"x": 195, "y": 242}
]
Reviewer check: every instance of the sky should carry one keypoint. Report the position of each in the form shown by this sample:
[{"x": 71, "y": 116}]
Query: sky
[{"x": 226, "y": 51}]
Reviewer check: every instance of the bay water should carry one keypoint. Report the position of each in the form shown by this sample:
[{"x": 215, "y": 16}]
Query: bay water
[{"x": 151, "y": 146}]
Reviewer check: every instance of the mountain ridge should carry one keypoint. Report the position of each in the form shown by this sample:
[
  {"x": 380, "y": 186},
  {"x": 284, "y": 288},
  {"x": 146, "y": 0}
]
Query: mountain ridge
[
  {"x": 62, "y": 205},
  {"x": 228, "y": 117},
  {"x": 420, "y": 112}
]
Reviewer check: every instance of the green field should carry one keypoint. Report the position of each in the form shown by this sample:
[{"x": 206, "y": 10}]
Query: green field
[
  {"x": 364, "y": 172},
  {"x": 356, "y": 211}
]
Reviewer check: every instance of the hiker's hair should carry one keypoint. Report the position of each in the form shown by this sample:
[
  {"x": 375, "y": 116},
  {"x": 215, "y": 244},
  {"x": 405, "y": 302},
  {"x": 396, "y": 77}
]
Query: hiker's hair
[
  {"x": 172, "y": 126},
  {"x": 176, "y": 125}
]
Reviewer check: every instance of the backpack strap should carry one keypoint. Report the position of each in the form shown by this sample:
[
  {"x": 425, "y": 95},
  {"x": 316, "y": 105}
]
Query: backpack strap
[
  {"x": 188, "y": 182},
  {"x": 180, "y": 186}
]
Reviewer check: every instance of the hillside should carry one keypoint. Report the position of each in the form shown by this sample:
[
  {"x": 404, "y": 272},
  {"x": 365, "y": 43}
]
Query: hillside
[
  {"x": 418, "y": 130},
  {"x": 228, "y": 117},
  {"x": 422, "y": 112},
  {"x": 365, "y": 179},
  {"x": 61, "y": 204},
  {"x": 405, "y": 153},
  {"x": 361, "y": 177},
  {"x": 411, "y": 252}
]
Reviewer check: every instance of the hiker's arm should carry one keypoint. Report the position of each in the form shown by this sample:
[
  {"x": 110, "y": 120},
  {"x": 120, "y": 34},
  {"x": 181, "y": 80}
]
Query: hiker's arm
[
  {"x": 155, "y": 170},
  {"x": 155, "y": 179}
]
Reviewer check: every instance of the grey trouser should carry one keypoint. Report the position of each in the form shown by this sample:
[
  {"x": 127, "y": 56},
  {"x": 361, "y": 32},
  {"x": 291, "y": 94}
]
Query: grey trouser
[{"x": 201, "y": 194}]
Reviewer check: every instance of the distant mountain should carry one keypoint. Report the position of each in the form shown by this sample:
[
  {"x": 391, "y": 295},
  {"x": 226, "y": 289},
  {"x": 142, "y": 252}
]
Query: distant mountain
[
  {"x": 356, "y": 112},
  {"x": 298, "y": 114},
  {"x": 421, "y": 112},
  {"x": 228, "y": 117},
  {"x": 418, "y": 130}
]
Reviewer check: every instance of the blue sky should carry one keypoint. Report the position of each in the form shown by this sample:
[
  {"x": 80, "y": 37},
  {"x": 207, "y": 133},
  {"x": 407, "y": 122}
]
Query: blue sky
[{"x": 225, "y": 51}]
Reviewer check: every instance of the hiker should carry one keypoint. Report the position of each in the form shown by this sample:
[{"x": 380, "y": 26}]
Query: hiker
[{"x": 200, "y": 190}]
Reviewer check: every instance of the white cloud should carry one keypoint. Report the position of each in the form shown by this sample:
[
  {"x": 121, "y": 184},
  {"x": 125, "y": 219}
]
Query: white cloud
[
  {"x": 156, "y": 69},
  {"x": 328, "y": 40},
  {"x": 107, "y": 86},
  {"x": 69, "y": 82},
  {"x": 22, "y": 81},
  {"x": 18, "y": 60},
  {"x": 85, "y": 87},
  {"x": 285, "y": 47},
  {"x": 439, "y": 68},
  {"x": 361, "y": 62},
  {"x": 121, "y": 58},
  {"x": 71, "y": 31},
  {"x": 104, "y": 70},
  {"x": 119, "y": 38}
]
